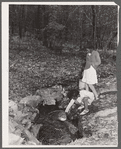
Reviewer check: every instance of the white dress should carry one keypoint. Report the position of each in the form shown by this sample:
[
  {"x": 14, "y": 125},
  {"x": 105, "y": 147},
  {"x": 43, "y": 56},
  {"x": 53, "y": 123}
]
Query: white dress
[
  {"x": 90, "y": 76},
  {"x": 85, "y": 93}
]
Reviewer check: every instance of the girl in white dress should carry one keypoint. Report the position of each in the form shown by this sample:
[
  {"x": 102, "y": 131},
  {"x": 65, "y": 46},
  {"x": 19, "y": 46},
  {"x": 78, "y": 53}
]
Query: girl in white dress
[
  {"x": 90, "y": 74},
  {"x": 84, "y": 98}
]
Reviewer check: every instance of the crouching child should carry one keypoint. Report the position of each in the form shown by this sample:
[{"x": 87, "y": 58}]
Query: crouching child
[{"x": 84, "y": 98}]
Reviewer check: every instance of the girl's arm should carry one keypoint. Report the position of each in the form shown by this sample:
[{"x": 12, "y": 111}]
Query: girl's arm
[
  {"x": 95, "y": 59},
  {"x": 69, "y": 105}
]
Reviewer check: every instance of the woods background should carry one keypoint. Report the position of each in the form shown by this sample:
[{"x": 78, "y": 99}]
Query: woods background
[{"x": 83, "y": 25}]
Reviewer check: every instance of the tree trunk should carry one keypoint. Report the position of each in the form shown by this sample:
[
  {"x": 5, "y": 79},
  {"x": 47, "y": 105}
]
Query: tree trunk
[
  {"x": 45, "y": 20},
  {"x": 38, "y": 17},
  {"x": 20, "y": 21},
  {"x": 81, "y": 27},
  {"x": 66, "y": 22},
  {"x": 112, "y": 35},
  {"x": 24, "y": 18},
  {"x": 94, "y": 26},
  {"x": 20, "y": 29}
]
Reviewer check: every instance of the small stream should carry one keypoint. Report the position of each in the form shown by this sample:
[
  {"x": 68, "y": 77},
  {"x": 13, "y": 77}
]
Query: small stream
[{"x": 58, "y": 128}]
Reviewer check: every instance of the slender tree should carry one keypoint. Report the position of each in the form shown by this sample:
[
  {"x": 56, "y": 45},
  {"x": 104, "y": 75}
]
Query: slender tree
[
  {"x": 20, "y": 21},
  {"x": 94, "y": 26},
  {"x": 81, "y": 17}
]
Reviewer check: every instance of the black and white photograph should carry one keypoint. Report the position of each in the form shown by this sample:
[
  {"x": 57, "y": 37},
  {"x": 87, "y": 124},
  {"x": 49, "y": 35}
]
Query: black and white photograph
[{"x": 59, "y": 74}]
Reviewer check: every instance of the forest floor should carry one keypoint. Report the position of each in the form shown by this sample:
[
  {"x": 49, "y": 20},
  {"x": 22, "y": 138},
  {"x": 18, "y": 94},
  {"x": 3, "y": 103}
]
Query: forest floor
[{"x": 33, "y": 66}]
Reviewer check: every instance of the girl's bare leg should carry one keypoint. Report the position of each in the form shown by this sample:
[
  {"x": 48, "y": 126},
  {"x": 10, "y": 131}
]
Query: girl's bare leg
[
  {"x": 93, "y": 90},
  {"x": 86, "y": 104},
  {"x": 87, "y": 87}
]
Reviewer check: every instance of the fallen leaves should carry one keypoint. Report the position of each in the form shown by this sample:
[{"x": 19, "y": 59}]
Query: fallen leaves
[{"x": 32, "y": 67}]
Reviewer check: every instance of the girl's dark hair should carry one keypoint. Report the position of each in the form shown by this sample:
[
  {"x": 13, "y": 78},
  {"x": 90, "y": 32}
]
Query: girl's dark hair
[{"x": 73, "y": 94}]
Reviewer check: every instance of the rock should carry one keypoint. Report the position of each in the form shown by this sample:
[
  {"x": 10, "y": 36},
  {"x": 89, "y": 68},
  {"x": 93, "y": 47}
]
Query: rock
[
  {"x": 31, "y": 101},
  {"x": 12, "y": 125},
  {"x": 13, "y": 108},
  {"x": 35, "y": 129},
  {"x": 31, "y": 137},
  {"x": 27, "y": 135},
  {"x": 46, "y": 96},
  {"x": 19, "y": 116},
  {"x": 15, "y": 139},
  {"x": 57, "y": 115},
  {"x": 51, "y": 95}
]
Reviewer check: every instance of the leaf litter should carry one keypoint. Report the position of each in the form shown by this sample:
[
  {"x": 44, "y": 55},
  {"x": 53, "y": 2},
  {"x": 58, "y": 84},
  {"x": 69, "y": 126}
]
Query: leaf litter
[{"x": 36, "y": 67}]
